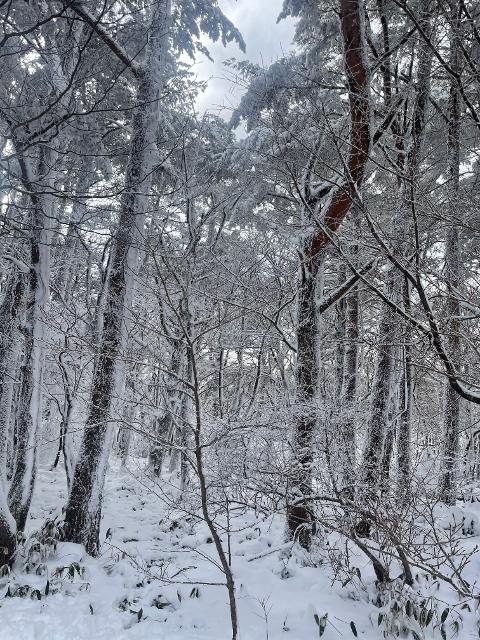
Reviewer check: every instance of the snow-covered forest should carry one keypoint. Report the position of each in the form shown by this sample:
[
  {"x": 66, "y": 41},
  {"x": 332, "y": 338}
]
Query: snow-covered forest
[{"x": 239, "y": 347}]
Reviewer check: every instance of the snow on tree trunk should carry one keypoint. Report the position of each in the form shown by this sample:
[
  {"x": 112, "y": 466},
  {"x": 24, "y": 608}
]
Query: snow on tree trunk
[
  {"x": 129, "y": 411},
  {"x": 9, "y": 342},
  {"x": 70, "y": 250},
  {"x": 405, "y": 417},
  {"x": 453, "y": 278},
  {"x": 313, "y": 254},
  {"x": 186, "y": 419},
  {"x": 166, "y": 426},
  {"x": 376, "y": 463},
  {"x": 83, "y": 512},
  {"x": 29, "y": 418},
  {"x": 346, "y": 481},
  {"x": 306, "y": 374},
  {"x": 342, "y": 435},
  {"x": 6, "y": 405},
  {"x": 383, "y": 381}
]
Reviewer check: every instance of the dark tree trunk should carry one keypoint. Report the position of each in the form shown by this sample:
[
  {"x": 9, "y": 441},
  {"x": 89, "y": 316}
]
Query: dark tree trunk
[
  {"x": 9, "y": 312},
  {"x": 340, "y": 336},
  {"x": 299, "y": 513},
  {"x": 83, "y": 512},
  {"x": 12, "y": 303},
  {"x": 452, "y": 275},
  {"x": 313, "y": 253},
  {"x": 405, "y": 417},
  {"x": 347, "y": 432},
  {"x": 381, "y": 391}
]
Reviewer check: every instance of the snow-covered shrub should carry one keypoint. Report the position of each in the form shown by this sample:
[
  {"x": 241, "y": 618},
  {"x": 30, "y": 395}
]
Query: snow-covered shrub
[{"x": 35, "y": 558}]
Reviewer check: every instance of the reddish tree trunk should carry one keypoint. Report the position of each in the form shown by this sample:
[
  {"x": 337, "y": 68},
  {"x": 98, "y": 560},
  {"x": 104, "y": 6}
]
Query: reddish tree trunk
[{"x": 298, "y": 509}]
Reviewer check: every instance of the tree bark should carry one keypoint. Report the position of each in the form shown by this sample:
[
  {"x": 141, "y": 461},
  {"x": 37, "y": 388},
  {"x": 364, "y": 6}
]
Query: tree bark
[
  {"x": 166, "y": 427},
  {"x": 375, "y": 463},
  {"x": 299, "y": 514},
  {"x": 29, "y": 417},
  {"x": 9, "y": 312},
  {"x": 83, "y": 512},
  {"x": 405, "y": 418},
  {"x": 12, "y": 303},
  {"x": 452, "y": 275},
  {"x": 348, "y": 429}
]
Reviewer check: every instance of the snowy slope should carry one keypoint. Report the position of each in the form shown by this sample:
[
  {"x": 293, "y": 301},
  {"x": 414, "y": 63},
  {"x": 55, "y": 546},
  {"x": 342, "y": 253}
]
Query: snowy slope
[{"x": 157, "y": 578}]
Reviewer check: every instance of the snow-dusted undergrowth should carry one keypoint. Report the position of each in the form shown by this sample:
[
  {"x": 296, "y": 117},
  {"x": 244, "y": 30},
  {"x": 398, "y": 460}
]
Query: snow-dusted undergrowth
[{"x": 158, "y": 578}]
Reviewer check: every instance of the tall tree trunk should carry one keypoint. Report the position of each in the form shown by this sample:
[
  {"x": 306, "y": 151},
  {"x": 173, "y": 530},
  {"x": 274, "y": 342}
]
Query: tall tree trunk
[
  {"x": 299, "y": 514},
  {"x": 70, "y": 250},
  {"x": 342, "y": 452},
  {"x": 347, "y": 467},
  {"x": 9, "y": 312},
  {"x": 375, "y": 463},
  {"x": 83, "y": 512},
  {"x": 405, "y": 417},
  {"x": 29, "y": 417},
  {"x": 313, "y": 254},
  {"x": 381, "y": 390},
  {"x": 9, "y": 338},
  {"x": 340, "y": 336},
  {"x": 452, "y": 275}
]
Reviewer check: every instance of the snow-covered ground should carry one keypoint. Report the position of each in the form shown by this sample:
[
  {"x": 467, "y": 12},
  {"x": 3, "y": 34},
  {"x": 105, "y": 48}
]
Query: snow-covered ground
[{"x": 158, "y": 578}]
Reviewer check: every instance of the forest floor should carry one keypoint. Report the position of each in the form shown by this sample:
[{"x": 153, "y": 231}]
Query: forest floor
[{"x": 156, "y": 574}]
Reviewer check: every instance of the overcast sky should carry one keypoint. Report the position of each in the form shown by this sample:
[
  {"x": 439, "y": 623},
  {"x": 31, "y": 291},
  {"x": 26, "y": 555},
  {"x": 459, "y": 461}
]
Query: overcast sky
[{"x": 265, "y": 39}]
